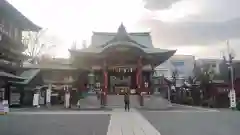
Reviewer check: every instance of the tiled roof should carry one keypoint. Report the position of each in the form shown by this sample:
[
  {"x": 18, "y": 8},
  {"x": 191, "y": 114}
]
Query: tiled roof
[
  {"x": 49, "y": 66},
  {"x": 146, "y": 50},
  {"x": 18, "y": 16},
  {"x": 29, "y": 75},
  {"x": 101, "y": 38}
]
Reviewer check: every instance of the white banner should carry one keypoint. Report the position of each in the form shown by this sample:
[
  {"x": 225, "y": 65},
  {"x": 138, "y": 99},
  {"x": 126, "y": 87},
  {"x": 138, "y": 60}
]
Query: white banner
[
  {"x": 1, "y": 108},
  {"x": 67, "y": 100},
  {"x": 48, "y": 95},
  {"x": 35, "y": 99},
  {"x": 5, "y": 106}
]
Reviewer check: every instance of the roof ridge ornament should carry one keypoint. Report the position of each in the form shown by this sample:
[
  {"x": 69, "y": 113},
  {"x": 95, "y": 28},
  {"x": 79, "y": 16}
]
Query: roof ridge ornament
[
  {"x": 122, "y": 33},
  {"x": 122, "y": 36}
]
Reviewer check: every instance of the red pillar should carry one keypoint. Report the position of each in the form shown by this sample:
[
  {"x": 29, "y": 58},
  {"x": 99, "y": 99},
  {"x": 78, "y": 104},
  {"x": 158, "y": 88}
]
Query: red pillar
[
  {"x": 105, "y": 85},
  {"x": 139, "y": 80}
]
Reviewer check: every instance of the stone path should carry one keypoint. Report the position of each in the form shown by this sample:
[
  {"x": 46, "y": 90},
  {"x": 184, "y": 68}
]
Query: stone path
[{"x": 129, "y": 123}]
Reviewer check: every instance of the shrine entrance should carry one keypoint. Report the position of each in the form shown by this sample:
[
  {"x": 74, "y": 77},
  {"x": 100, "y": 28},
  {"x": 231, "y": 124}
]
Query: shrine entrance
[{"x": 121, "y": 80}]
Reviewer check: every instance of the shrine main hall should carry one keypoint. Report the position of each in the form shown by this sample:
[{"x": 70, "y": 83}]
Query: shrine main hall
[{"x": 120, "y": 61}]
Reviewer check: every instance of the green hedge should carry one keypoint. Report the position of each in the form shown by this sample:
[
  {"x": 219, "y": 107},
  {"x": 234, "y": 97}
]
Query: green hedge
[
  {"x": 188, "y": 101},
  {"x": 238, "y": 105}
]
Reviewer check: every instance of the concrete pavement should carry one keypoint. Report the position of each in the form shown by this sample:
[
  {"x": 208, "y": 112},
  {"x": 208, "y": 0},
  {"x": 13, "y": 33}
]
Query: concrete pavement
[
  {"x": 116, "y": 122},
  {"x": 182, "y": 120},
  {"x": 194, "y": 122},
  {"x": 129, "y": 123},
  {"x": 49, "y": 124}
]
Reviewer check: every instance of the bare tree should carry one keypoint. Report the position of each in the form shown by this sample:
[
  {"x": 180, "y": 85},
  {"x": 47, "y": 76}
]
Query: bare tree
[
  {"x": 175, "y": 75},
  {"x": 34, "y": 46}
]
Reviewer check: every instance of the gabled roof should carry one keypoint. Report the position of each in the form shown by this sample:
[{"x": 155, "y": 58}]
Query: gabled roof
[
  {"x": 122, "y": 37},
  {"x": 101, "y": 39},
  {"x": 123, "y": 44}
]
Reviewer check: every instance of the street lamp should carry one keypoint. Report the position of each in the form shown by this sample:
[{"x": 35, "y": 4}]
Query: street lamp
[{"x": 229, "y": 61}]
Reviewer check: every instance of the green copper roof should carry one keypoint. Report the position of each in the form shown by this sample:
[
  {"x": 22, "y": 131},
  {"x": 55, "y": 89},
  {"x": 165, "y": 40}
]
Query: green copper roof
[
  {"x": 10, "y": 76},
  {"x": 102, "y": 39},
  {"x": 29, "y": 75}
]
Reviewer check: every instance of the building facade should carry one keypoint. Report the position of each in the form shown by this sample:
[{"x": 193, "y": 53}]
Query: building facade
[
  {"x": 121, "y": 61},
  {"x": 213, "y": 64},
  {"x": 183, "y": 64},
  {"x": 12, "y": 24}
]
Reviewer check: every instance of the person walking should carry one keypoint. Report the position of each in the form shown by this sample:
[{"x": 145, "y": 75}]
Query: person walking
[{"x": 126, "y": 101}]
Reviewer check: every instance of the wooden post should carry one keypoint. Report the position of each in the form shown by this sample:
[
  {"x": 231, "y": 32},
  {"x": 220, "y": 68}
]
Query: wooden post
[
  {"x": 7, "y": 93},
  {"x": 7, "y": 98}
]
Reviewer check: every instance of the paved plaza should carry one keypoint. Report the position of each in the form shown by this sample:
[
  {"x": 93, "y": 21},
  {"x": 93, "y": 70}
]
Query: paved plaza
[
  {"x": 195, "y": 122},
  {"x": 180, "y": 120},
  {"x": 54, "y": 124}
]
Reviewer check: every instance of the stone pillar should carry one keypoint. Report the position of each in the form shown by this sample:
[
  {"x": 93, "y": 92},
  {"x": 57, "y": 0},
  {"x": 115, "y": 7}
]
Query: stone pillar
[{"x": 48, "y": 95}]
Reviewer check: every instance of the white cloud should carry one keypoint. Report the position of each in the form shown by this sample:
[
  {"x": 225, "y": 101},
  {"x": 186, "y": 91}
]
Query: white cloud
[{"x": 193, "y": 22}]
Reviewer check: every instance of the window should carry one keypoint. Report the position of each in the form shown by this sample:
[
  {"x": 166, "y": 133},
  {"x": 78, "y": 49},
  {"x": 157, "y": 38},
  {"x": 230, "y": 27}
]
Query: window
[
  {"x": 160, "y": 73},
  {"x": 214, "y": 65},
  {"x": 178, "y": 63}
]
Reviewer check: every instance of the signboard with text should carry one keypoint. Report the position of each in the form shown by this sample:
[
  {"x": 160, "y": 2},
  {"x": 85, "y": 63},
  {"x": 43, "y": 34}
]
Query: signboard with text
[{"x": 232, "y": 97}]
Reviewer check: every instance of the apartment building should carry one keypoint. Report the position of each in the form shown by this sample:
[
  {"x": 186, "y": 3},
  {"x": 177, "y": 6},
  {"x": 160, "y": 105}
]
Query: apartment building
[
  {"x": 182, "y": 64},
  {"x": 214, "y": 64}
]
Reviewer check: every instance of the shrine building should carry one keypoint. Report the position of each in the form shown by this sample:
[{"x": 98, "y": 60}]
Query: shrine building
[{"x": 120, "y": 61}]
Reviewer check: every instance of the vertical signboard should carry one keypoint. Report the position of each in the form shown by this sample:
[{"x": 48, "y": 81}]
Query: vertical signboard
[
  {"x": 232, "y": 97},
  {"x": 1, "y": 108},
  {"x": 48, "y": 94}
]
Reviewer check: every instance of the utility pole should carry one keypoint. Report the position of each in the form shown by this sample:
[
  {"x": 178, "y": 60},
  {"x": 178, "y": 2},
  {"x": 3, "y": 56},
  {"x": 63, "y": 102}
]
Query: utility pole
[{"x": 229, "y": 61}]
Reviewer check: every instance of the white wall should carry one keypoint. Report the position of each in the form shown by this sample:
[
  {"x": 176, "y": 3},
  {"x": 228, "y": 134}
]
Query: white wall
[
  {"x": 214, "y": 63},
  {"x": 164, "y": 70},
  {"x": 184, "y": 64}
]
